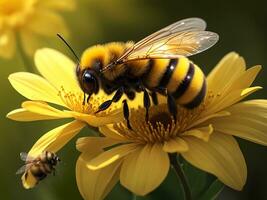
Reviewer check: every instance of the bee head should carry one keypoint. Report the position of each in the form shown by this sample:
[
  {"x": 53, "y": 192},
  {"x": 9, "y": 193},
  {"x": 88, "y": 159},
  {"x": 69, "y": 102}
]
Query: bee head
[
  {"x": 88, "y": 80},
  {"x": 88, "y": 71}
]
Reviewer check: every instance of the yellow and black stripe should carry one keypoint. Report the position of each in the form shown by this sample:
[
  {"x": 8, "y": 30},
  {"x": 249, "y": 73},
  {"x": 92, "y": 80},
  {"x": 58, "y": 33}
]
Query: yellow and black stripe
[{"x": 184, "y": 80}]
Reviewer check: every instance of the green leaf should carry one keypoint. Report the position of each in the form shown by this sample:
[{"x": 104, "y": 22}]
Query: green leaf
[
  {"x": 213, "y": 191},
  {"x": 203, "y": 186}
]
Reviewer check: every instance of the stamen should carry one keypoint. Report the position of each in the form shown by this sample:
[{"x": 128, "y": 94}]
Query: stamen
[
  {"x": 161, "y": 126},
  {"x": 76, "y": 101}
]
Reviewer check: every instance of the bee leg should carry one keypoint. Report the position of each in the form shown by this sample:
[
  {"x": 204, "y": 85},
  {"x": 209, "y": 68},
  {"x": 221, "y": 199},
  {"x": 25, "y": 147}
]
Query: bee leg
[
  {"x": 147, "y": 103},
  {"x": 172, "y": 106},
  {"x": 117, "y": 96},
  {"x": 154, "y": 98},
  {"x": 83, "y": 99},
  {"x": 88, "y": 98},
  {"x": 104, "y": 106},
  {"x": 126, "y": 113}
]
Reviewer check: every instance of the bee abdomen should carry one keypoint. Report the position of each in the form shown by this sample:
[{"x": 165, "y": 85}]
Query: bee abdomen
[
  {"x": 184, "y": 83},
  {"x": 168, "y": 73},
  {"x": 155, "y": 73},
  {"x": 183, "y": 79},
  {"x": 38, "y": 172},
  {"x": 190, "y": 86},
  {"x": 199, "y": 97}
]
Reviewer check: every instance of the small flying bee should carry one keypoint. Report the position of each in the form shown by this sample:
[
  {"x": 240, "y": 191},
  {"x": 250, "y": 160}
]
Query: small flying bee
[
  {"x": 36, "y": 169},
  {"x": 156, "y": 64}
]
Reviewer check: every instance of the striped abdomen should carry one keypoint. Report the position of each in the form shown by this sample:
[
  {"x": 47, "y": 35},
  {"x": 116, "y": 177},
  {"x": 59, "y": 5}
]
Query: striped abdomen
[{"x": 183, "y": 79}]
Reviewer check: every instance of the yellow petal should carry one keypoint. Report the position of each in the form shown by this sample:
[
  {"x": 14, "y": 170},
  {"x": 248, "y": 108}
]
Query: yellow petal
[
  {"x": 221, "y": 156},
  {"x": 66, "y": 5},
  {"x": 110, "y": 156},
  {"x": 204, "y": 118},
  {"x": 47, "y": 23},
  {"x": 58, "y": 69},
  {"x": 109, "y": 131},
  {"x": 248, "y": 120},
  {"x": 7, "y": 44},
  {"x": 225, "y": 72},
  {"x": 175, "y": 145},
  {"x": 97, "y": 121},
  {"x": 43, "y": 108},
  {"x": 232, "y": 98},
  {"x": 56, "y": 138},
  {"x": 95, "y": 184},
  {"x": 242, "y": 82},
  {"x": 24, "y": 115},
  {"x": 227, "y": 81},
  {"x": 34, "y": 87},
  {"x": 245, "y": 79},
  {"x": 145, "y": 169},
  {"x": 202, "y": 133},
  {"x": 88, "y": 143}
]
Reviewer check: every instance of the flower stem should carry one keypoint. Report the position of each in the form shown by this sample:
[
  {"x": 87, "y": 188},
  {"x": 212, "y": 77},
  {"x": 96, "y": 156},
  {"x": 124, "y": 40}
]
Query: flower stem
[
  {"x": 181, "y": 175},
  {"x": 24, "y": 57}
]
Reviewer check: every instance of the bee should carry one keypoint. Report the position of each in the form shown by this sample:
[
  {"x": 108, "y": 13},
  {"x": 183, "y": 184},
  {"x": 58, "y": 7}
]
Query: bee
[
  {"x": 36, "y": 169},
  {"x": 156, "y": 64}
]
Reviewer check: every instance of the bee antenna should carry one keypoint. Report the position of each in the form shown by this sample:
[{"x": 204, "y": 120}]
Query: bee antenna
[{"x": 72, "y": 51}]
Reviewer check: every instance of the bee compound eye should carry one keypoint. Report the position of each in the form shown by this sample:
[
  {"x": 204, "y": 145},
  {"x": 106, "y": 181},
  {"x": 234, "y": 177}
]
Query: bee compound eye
[{"x": 90, "y": 84}]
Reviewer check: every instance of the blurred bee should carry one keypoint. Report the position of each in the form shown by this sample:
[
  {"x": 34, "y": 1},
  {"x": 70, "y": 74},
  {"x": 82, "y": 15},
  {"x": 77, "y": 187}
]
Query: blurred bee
[
  {"x": 156, "y": 64},
  {"x": 36, "y": 169}
]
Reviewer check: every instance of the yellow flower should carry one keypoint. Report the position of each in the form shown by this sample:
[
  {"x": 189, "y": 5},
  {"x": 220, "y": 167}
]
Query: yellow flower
[
  {"x": 31, "y": 20},
  {"x": 58, "y": 86},
  {"x": 202, "y": 136}
]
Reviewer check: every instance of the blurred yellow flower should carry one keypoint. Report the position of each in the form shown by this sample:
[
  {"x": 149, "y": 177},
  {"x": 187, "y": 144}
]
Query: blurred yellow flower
[
  {"x": 58, "y": 86},
  {"x": 202, "y": 136},
  {"x": 31, "y": 20}
]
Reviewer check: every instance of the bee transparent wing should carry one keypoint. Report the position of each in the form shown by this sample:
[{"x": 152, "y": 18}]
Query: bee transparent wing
[
  {"x": 23, "y": 156},
  {"x": 185, "y": 43},
  {"x": 189, "y": 24},
  {"x": 183, "y": 38},
  {"x": 140, "y": 49},
  {"x": 22, "y": 169},
  {"x": 28, "y": 160}
]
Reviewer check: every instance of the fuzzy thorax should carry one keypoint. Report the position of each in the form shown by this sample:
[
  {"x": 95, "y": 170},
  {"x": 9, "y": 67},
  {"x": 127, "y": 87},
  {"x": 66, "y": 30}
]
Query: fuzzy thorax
[{"x": 99, "y": 56}]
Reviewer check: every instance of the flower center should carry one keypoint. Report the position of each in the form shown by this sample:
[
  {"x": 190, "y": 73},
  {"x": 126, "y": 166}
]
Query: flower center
[
  {"x": 164, "y": 118},
  {"x": 161, "y": 126},
  {"x": 76, "y": 101}
]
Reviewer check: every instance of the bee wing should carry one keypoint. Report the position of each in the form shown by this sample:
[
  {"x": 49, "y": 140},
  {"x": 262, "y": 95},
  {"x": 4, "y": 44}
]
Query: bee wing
[
  {"x": 28, "y": 160},
  {"x": 183, "y": 38},
  {"x": 22, "y": 169},
  {"x": 185, "y": 43},
  {"x": 189, "y": 24},
  {"x": 23, "y": 156}
]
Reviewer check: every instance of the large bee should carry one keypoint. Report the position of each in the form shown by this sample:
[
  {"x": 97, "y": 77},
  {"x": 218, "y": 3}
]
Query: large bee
[
  {"x": 156, "y": 64},
  {"x": 36, "y": 169}
]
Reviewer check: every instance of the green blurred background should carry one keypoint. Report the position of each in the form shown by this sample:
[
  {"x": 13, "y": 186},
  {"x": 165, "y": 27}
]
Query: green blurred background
[{"x": 242, "y": 28}]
